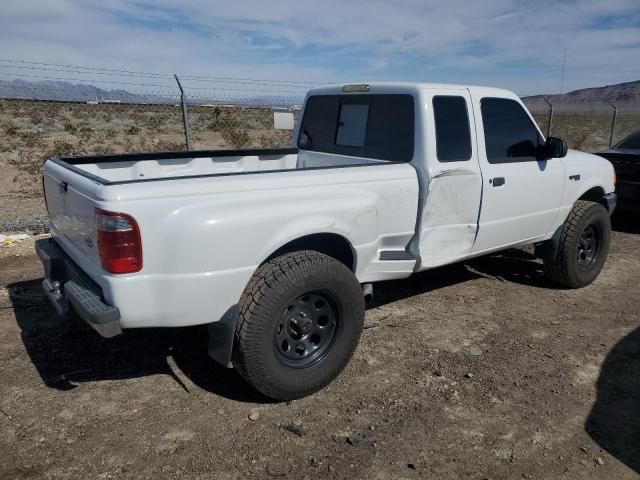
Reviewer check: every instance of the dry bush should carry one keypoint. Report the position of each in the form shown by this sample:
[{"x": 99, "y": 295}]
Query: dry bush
[
  {"x": 153, "y": 121},
  {"x": 133, "y": 130},
  {"x": 167, "y": 146},
  {"x": 32, "y": 139},
  {"x": 36, "y": 118},
  {"x": 275, "y": 139},
  {"x": 70, "y": 128},
  {"x": 237, "y": 137},
  {"x": 32, "y": 164},
  {"x": 11, "y": 130}
]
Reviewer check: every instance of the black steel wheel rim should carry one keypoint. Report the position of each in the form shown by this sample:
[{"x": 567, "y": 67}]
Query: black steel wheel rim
[
  {"x": 306, "y": 329},
  {"x": 589, "y": 246}
]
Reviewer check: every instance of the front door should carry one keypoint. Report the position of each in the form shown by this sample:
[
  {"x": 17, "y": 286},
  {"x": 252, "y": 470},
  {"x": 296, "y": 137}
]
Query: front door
[{"x": 521, "y": 193}]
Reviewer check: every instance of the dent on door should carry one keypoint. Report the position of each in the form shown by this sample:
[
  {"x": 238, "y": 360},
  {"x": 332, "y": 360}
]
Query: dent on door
[{"x": 450, "y": 216}]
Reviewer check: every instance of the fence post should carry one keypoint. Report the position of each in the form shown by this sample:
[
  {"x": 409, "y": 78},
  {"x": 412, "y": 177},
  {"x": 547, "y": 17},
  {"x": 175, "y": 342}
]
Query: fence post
[
  {"x": 550, "y": 122},
  {"x": 185, "y": 117},
  {"x": 613, "y": 122}
]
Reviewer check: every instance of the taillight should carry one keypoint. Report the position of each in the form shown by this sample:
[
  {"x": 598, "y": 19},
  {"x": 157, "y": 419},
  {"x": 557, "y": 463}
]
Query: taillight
[{"x": 119, "y": 242}]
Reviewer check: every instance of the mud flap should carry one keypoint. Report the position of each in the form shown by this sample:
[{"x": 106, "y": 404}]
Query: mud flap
[{"x": 222, "y": 335}]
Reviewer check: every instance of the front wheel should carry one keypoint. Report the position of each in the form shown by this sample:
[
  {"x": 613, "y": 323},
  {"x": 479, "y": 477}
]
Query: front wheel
[
  {"x": 583, "y": 246},
  {"x": 300, "y": 321}
]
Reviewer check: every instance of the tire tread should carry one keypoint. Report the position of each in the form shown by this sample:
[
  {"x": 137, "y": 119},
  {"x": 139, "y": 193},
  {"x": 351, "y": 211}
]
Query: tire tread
[{"x": 257, "y": 297}]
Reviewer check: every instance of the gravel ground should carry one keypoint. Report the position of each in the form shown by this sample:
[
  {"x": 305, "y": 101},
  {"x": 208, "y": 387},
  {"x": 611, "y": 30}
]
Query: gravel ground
[{"x": 477, "y": 370}]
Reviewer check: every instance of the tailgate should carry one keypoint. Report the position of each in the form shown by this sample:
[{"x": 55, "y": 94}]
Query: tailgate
[{"x": 71, "y": 208}]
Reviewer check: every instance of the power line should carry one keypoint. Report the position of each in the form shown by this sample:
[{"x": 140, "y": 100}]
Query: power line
[
  {"x": 251, "y": 80},
  {"x": 8, "y": 60},
  {"x": 82, "y": 72}
]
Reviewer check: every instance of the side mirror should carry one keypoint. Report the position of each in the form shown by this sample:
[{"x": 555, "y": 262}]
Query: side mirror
[{"x": 555, "y": 148}]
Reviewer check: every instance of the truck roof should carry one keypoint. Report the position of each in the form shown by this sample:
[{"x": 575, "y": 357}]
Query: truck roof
[{"x": 404, "y": 87}]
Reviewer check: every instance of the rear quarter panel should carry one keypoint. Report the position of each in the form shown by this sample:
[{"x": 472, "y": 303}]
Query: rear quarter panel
[{"x": 203, "y": 238}]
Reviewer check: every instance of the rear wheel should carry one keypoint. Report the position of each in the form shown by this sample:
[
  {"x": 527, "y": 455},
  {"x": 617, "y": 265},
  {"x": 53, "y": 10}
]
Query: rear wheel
[
  {"x": 300, "y": 321},
  {"x": 583, "y": 246}
]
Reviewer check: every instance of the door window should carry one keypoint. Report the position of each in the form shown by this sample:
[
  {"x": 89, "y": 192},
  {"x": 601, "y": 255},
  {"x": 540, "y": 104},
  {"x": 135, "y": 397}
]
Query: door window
[
  {"x": 509, "y": 133},
  {"x": 453, "y": 136}
]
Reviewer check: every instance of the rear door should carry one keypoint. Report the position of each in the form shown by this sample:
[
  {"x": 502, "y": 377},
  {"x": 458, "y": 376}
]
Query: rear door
[
  {"x": 449, "y": 220},
  {"x": 521, "y": 193}
]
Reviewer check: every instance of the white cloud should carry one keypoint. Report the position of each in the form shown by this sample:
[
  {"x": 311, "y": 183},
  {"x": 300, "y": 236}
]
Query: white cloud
[{"x": 502, "y": 42}]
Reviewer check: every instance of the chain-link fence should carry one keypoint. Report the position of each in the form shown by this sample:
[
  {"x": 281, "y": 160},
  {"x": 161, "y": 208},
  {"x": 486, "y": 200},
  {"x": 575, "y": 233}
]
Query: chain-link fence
[
  {"x": 590, "y": 126},
  {"x": 48, "y": 110}
]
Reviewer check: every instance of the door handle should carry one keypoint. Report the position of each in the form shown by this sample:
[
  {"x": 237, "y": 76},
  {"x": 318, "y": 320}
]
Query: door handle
[{"x": 497, "y": 181}]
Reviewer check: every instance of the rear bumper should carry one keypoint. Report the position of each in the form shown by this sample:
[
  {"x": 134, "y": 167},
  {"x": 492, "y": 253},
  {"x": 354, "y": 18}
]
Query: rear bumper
[
  {"x": 611, "y": 199},
  {"x": 68, "y": 288}
]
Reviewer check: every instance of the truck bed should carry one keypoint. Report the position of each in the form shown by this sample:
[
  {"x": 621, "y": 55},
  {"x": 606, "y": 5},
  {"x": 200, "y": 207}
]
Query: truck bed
[
  {"x": 140, "y": 167},
  {"x": 208, "y": 219}
]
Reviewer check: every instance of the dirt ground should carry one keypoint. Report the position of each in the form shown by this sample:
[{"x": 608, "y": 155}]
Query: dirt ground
[{"x": 480, "y": 370}]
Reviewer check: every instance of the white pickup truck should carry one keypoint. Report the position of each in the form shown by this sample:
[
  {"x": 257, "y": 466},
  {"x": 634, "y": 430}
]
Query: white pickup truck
[{"x": 276, "y": 249}]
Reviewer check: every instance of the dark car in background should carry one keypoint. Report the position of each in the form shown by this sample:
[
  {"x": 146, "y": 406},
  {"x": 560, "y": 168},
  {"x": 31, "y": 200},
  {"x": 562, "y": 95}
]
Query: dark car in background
[{"x": 625, "y": 157}]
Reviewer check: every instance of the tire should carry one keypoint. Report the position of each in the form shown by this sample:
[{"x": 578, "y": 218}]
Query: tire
[
  {"x": 574, "y": 265},
  {"x": 287, "y": 302}
]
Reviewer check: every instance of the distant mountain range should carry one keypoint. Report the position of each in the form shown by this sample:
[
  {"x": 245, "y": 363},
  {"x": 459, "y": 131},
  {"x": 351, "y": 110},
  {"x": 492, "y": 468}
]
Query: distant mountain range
[
  {"x": 67, "y": 91},
  {"x": 77, "y": 92},
  {"x": 623, "y": 95}
]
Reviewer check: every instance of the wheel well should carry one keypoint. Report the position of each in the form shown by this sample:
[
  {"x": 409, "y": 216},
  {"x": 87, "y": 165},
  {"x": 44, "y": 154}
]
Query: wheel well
[
  {"x": 330, "y": 244},
  {"x": 596, "y": 194}
]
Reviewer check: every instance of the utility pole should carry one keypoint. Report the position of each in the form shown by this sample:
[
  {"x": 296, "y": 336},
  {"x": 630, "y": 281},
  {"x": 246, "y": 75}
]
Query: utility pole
[{"x": 564, "y": 61}]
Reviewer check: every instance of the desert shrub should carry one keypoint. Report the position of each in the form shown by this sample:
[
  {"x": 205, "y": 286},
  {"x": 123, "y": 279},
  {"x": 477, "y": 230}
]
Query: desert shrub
[
  {"x": 580, "y": 141},
  {"x": 168, "y": 146},
  {"x": 133, "y": 130},
  {"x": 237, "y": 137},
  {"x": 62, "y": 148},
  {"x": 32, "y": 164},
  {"x": 77, "y": 113},
  {"x": 137, "y": 116},
  {"x": 154, "y": 121},
  {"x": 275, "y": 139},
  {"x": 70, "y": 128},
  {"x": 211, "y": 119},
  {"x": 36, "y": 118},
  {"x": 11, "y": 130},
  {"x": 85, "y": 133},
  {"x": 31, "y": 138}
]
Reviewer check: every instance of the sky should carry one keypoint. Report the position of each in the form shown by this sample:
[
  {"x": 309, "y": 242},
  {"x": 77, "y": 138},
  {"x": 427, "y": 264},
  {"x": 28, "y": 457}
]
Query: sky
[{"x": 513, "y": 44}]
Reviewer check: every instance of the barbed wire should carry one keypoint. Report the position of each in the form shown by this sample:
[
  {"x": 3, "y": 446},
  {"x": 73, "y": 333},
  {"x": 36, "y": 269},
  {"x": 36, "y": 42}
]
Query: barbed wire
[
  {"x": 118, "y": 82},
  {"x": 107, "y": 71}
]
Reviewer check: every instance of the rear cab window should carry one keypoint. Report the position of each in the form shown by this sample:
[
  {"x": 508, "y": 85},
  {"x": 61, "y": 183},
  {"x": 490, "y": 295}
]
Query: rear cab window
[{"x": 377, "y": 126}]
